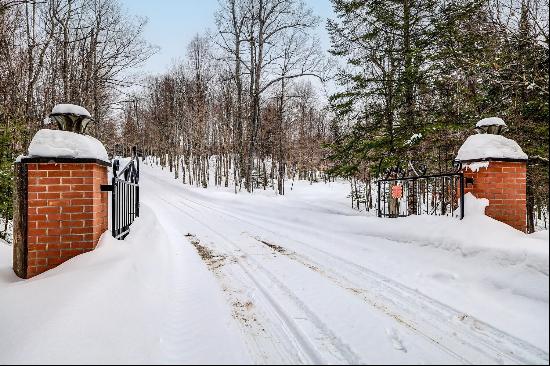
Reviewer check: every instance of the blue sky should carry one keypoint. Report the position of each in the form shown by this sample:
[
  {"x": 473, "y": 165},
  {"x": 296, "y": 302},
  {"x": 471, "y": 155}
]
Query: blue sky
[{"x": 173, "y": 23}]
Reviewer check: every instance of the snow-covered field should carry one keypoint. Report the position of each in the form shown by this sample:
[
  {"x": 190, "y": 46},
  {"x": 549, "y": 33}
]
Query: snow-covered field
[{"x": 208, "y": 276}]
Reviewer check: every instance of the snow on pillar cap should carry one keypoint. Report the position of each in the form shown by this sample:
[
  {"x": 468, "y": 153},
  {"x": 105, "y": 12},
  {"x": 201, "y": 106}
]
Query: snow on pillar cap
[
  {"x": 65, "y": 144},
  {"x": 491, "y": 121},
  {"x": 493, "y": 125},
  {"x": 485, "y": 147},
  {"x": 70, "y": 109}
]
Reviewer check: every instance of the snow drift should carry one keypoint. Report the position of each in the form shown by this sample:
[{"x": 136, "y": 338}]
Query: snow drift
[
  {"x": 475, "y": 235},
  {"x": 130, "y": 301}
]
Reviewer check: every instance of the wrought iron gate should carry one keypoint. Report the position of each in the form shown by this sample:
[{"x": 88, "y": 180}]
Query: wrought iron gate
[
  {"x": 441, "y": 194},
  {"x": 125, "y": 196}
]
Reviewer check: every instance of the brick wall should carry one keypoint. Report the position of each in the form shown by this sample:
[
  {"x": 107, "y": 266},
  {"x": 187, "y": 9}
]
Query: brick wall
[
  {"x": 66, "y": 211},
  {"x": 504, "y": 185}
]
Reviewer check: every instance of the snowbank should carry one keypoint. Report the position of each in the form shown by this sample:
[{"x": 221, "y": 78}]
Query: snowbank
[
  {"x": 474, "y": 206},
  {"x": 64, "y": 144},
  {"x": 475, "y": 235},
  {"x": 490, "y": 121},
  {"x": 138, "y": 301},
  {"x": 70, "y": 109},
  {"x": 485, "y": 146},
  {"x": 542, "y": 235}
]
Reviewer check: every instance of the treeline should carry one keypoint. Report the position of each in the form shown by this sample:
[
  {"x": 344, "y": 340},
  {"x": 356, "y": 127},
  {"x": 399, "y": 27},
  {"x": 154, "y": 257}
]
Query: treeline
[
  {"x": 190, "y": 117},
  {"x": 417, "y": 76},
  {"x": 61, "y": 51},
  {"x": 245, "y": 107},
  {"x": 243, "y": 95}
]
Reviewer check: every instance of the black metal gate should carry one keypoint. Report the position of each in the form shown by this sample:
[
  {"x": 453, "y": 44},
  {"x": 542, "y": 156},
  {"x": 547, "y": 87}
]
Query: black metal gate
[
  {"x": 441, "y": 194},
  {"x": 125, "y": 196}
]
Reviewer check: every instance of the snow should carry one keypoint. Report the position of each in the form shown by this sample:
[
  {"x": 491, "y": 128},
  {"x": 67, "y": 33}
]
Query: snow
[
  {"x": 139, "y": 301},
  {"x": 70, "y": 109},
  {"x": 8, "y": 233},
  {"x": 475, "y": 235},
  {"x": 415, "y": 137},
  {"x": 475, "y": 166},
  {"x": 65, "y": 144},
  {"x": 209, "y": 276},
  {"x": 543, "y": 235},
  {"x": 474, "y": 206},
  {"x": 485, "y": 146},
  {"x": 348, "y": 277},
  {"x": 491, "y": 121}
]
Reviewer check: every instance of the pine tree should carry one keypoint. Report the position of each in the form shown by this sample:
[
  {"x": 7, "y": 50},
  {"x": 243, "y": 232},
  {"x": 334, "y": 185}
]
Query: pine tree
[
  {"x": 387, "y": 46},
  {"x": 420, "y": 74}
]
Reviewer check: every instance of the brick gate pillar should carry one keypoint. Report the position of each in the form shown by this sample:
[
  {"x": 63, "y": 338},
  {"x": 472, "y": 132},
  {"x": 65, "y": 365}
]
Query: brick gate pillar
[
  {"x": 503, "y": 183},
  {"x": 497, "y": 168},
  {"x": 60, "y": 211}
]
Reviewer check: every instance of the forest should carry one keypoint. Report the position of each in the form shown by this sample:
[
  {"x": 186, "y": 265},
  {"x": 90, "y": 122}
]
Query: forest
[{"x": 257, "y": 102}]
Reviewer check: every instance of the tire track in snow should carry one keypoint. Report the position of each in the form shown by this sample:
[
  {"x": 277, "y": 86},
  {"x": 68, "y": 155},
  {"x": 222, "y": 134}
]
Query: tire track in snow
[
  {"x": 472, "y": 332},
  {"x": 521, "y": 353},
  {"x": 339, "y": 352},
  {"x": 244, "y": 305},
  {"x": 454, "y": 355},
  {"x": 375, "y": 304}
]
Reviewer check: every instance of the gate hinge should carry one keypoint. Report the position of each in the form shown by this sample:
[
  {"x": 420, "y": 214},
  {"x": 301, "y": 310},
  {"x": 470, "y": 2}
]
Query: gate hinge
[{"x": 106, "y": 188}]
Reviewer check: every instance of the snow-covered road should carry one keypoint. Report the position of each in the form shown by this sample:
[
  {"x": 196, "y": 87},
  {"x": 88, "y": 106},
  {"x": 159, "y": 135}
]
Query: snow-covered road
[
  {"x": 309, "y": 280},
  {"x": 209, "y": 276}
]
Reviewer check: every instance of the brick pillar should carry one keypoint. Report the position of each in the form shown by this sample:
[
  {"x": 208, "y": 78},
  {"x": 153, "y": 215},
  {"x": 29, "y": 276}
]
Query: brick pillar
[
  {"x": 503, "y": 183},
  {"x": 60, "y": 211}
]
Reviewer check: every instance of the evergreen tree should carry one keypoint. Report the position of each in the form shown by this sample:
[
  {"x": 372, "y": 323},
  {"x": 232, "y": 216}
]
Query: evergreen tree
[
  {"x": 418, "y": 76},
  {"x": 387, "y": 46}
]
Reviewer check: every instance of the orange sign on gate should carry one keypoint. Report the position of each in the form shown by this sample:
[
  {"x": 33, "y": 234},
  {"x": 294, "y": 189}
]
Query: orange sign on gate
[{"x": 397, "y": 191}]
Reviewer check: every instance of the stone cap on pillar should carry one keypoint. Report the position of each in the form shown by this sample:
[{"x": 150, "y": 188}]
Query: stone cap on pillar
[
  {"x": 489, "y": 144},
  {"x": 47, "y": 160},
  {"x": 493, "y": 125}
]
